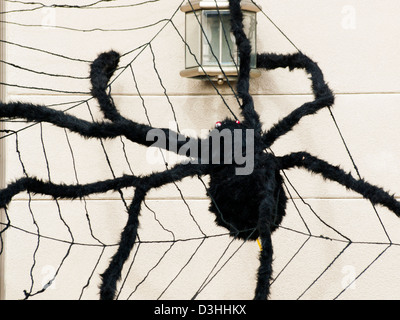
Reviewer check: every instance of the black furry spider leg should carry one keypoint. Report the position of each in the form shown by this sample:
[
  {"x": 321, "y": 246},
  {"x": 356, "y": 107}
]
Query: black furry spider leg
[
  {"x": 265, "y": 269},
  {"x": 251, "y": 117},
  {"x": 133, "y": 131},
  {"x": 266, "y": 217},
  {"x": 129, "y": 234},
  {"x": 63, "y": 191},
  {"x": 101, "y": 72},
  {"x": 128, "y": 238},
  {"x": 322, "y": 93},
  {"x": 375, "y": 194}
]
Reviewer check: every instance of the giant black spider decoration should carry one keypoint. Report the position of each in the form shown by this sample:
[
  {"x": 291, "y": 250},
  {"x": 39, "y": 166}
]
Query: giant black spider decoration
[{"x": 250, "y": 206}]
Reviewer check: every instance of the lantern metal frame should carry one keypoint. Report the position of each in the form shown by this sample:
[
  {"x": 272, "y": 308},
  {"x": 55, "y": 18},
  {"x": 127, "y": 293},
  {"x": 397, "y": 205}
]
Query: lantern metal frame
[{"x": 219, "y": 72}]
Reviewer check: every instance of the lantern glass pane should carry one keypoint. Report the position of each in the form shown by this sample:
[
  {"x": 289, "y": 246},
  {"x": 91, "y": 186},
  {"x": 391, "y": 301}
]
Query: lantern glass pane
[
  {"x": 218, "y": 44},
  {"x": 228, "y": 48},
  {"x": 193, "y": 38},
  {"x": 250, "y": 28},
  {"x": 211, "y": 38}
]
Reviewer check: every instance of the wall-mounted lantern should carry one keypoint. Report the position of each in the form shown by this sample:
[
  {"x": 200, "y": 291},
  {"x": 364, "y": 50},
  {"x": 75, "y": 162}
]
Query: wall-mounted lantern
[{"x": 210, "y": 43}]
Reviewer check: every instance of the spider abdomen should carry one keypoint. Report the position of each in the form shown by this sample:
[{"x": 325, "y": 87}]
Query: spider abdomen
[
  {"x": 236, "y": 199},
  {"x": 235, "y": 208}
]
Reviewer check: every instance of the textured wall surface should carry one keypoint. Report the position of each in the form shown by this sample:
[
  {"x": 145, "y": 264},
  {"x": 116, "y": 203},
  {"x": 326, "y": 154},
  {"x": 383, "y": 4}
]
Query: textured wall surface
[{"x": 354, "y": 43}]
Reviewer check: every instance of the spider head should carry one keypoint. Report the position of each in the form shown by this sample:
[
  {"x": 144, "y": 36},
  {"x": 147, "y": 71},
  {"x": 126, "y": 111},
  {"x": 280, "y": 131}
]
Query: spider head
[
  {"x": 234, "y": 143},
  {"x": 228, "y": 124},
  {"x": 227, "y": 142}
]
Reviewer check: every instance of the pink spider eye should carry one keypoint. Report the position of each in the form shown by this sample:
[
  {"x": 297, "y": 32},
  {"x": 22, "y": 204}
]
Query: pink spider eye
[
  {"x": 237, "y": 122},
  {"x": 218, "y": 124}
]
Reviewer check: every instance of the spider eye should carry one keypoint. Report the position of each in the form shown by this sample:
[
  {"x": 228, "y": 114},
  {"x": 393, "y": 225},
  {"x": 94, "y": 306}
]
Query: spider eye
[
  {"x": 218, "y": 124},
  {"x": 237, "y": 122}
]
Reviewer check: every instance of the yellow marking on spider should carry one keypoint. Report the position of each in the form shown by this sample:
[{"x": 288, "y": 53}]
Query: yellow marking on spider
[{"x": 259, "y": 244}]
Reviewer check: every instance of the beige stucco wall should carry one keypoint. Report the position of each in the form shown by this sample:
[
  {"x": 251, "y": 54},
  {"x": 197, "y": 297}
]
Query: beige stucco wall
[{"x": 355, "y": 44}]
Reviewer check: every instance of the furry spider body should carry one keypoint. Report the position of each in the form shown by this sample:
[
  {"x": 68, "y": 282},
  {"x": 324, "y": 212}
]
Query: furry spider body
[
  {"x": 249, "y": 205},
  {"x": 236, "y": 208}
]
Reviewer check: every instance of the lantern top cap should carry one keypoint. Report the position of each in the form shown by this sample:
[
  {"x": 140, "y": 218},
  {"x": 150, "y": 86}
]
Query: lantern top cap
[{"x": 193, "y": 5}]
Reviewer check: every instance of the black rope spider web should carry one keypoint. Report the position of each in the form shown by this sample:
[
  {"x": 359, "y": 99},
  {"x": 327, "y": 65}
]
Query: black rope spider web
[{"x": 266, "y": 211}]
